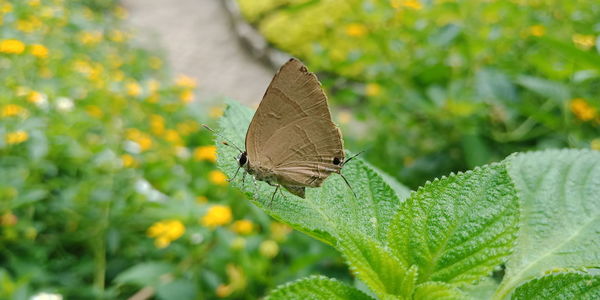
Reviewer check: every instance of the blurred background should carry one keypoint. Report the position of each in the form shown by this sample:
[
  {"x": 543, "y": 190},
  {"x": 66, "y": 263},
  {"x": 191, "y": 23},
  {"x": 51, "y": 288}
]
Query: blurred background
[{"x": 109, "y": 188}]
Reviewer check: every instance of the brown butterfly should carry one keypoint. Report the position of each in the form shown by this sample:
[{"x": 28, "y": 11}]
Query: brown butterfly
[{"x": 291, "y": 141}]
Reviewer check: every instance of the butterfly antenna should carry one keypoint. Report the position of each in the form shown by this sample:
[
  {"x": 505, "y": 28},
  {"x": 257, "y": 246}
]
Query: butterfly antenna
[
  {"x": 353, "y": 156},
  {"x": 227, "y": 143},
  {"x": 348, "y": 184}
]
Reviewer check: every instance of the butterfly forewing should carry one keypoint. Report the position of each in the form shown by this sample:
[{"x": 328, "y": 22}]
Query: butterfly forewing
[
  {"x": 294, "y": 93},
  {"x": 291, "y": 138}
]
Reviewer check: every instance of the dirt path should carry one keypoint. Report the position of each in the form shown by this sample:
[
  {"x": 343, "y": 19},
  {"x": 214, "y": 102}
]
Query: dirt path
[{"x": 200, "y": 43}]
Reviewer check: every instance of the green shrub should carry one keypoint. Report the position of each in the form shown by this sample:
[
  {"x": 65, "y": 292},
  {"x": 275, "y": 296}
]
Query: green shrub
[
  {"x": 108, "y": 187},
  {"x": 440, "y": 86},
  {"x": 530, "y": 220}
]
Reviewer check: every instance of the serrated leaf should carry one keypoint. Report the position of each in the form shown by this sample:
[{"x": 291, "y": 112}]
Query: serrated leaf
[
  {"x": 458, "y": 229},
  {"x": 316, "y": 287},
  {"x": 559, "y": 192},
  {"x": 437, "y": 291},
  {"x": 356, "y": 226},
  {"x": 327, "y": 211},
  {"x": 373, "y": 264},
  {"x": 560, "y": 286}
]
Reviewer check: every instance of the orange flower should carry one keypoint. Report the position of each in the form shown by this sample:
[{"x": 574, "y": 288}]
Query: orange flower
[{"x": 582, "y": 110}]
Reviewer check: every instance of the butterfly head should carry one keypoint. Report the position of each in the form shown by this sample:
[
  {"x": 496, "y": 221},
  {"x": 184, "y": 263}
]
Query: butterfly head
[{"x": 243, "y": 159}]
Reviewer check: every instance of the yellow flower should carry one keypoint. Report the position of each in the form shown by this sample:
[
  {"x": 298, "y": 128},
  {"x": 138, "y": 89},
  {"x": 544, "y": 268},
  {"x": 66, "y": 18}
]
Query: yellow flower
[
  {"x": 157, "y": 124},
  {"x": 201, "y": 199},
  {"x": 117, "y": 36},
  {"x": 128, "y": 161},
  {"x": 242, "y": 226},
  {"x": 90, "y": 38},
  {"x": 173, "y": 137},
  {"x": 94, "y": 111},
  {"x": 217, "y": 215},
  {"x": 8, "y": 219},
  {"x": 186, "y": 96},
  {"x": 217, "y": 177},
  {"x": 133, "y": 89},
  {"x": 595, "y": 144},
  {"x": 185, "y": 81},
  {"x": 6, "y": 8},
  {"x": 38, "y": 50},
  {"x": 268, "y": 248},
  {"x": 537, "y": 30},
  {"x": 223, "y": 291},
  {"x": 37, "y": 97},
  {"x": 414, "y": 4},
  {"x": 356, "y": 30},
  {"x": 187, "y": 127},
  {"x": 12, "y": 110},
  {"x": 584, "y": 41},
  {"x": 206, "y": 153},
  {"x": 17, "y": 137},
  {"x": 12, "y": 46},
  {"x": 33, "y": 3},
  {"x": 165, "y": 232},
  {"x": 372, "y": 89},
  {"x": 582, "y": 110},
  {"x": 140, "y": 138},
  {"x": 279, "y": 231}
]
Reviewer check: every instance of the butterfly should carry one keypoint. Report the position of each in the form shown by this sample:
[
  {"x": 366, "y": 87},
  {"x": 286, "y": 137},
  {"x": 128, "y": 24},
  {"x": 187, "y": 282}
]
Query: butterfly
[{"x": 291, "y": 141}]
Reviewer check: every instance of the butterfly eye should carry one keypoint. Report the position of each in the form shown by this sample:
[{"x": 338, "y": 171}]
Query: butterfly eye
[
  {"x": 336, "y": 161},
  {"x": 243, "y": 159}
]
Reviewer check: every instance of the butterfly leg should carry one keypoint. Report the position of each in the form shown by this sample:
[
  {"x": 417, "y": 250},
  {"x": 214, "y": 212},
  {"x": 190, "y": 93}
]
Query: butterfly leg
[
  {"x": 234, "y": 175},
  {"x": 273, "y": 196}
]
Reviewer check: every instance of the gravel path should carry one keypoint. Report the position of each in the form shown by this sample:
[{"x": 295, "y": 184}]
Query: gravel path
[{"x": 200, "y": 42}]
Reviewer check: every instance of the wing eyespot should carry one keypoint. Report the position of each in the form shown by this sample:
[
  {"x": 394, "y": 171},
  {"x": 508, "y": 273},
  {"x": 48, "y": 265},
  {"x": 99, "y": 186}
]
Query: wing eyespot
[{"x": 336, "y": 161}]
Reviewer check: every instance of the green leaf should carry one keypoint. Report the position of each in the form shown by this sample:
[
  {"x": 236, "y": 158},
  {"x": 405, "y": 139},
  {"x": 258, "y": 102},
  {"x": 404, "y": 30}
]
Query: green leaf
[
  {"x": 437, "y": 291},
  {"x": 356, "y": 226},
  {"x": 495, "y": 86},
  {"x": 177, "y": 289},
  {"x": 458, "y": 229},
  {"x": 144, "y": 274},
  {"x": 315, "y": 288},
  {"x": 560, "y": 213},
  {"x": 374, "y": 265},
  {"x": 572, "y": 285},
  {"x": 545, "y": 88},
  {"x": 327, "y": 211},
  {"x": 585, "y": 58}
]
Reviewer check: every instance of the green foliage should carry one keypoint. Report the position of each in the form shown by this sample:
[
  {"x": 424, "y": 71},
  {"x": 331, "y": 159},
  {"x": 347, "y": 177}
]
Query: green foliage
[
  {"x": 317, "y": 287},
  {"x": 107, "y": 184},
  {"x": 560, "y": 286},
  {"x": 560, "y": 209},
  {"x": 444, "y": 230},
  {"x": 444, "y": 86},
  {"x": 534, "y": 212}
]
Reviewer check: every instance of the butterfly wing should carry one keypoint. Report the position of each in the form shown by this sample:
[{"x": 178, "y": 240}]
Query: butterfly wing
[
  {"x": 294, "y": 93},
  {"x": 304, "y": 152}
]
